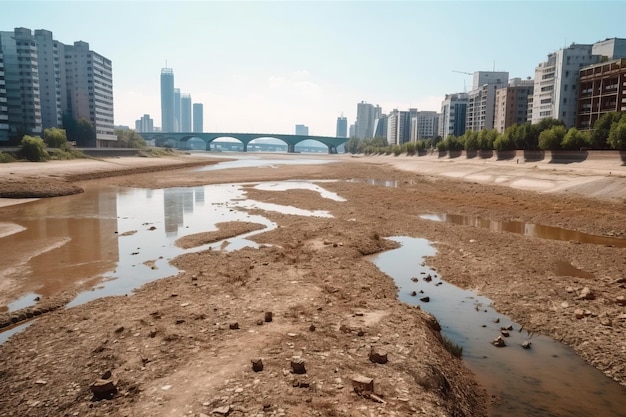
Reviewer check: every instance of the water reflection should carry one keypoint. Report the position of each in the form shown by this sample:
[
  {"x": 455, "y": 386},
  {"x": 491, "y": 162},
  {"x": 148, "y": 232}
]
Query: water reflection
[
  {"x": 124, "y": 235},
  {"x": 527, "y": 229},
  {"x": 547, "y": 380}
]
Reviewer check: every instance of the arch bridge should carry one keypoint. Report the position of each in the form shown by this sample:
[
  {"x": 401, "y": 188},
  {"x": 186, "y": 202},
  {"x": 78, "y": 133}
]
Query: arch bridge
[{"x": 179, "y": 140}]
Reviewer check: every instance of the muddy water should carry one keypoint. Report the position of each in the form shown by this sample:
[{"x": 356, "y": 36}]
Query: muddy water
[
  {"x": 528, "y": 229},
  {"x": 113, "y": 240},
  {"x": 547, "y": 380}
]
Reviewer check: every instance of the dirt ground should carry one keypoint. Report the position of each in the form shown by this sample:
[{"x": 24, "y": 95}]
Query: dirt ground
[{"x": 184, "y": 345}]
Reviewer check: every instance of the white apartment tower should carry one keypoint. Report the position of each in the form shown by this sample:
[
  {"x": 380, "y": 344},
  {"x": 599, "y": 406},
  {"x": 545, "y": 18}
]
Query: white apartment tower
[
  {"x": 424, "y": 125},
  {"x": 366, "y": 114},
  {"x": 556, "y": 83},
  {"x": 452, "y": 117},
  {"x": 481, "y": 102},
  {"x": 399, "y": 127},
  {"x": 145, "y": 124},
  {"x": 90, "y": 90}
]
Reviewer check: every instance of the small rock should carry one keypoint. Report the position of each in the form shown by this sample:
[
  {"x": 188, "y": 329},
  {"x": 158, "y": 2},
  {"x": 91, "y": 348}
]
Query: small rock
[
  {"x": 105, "y": 386},
  {"x": 257, "y": 364},
  {"x": 312, "y": 328},
  {"x": 621, "y": 300},
  {"x": 268, "y": 316},
  {"x": 526, "y": 344},
  {"x": 297, "y": 365},
  {"x": 498, "y": 342},
  {"x": 425, "y": 299},
  {"x": 259, "y": 322},
  {"x": 586, "y": 294},
  {"x": 225, "y": 410},
  {"x": 579, "y": 313},
  {"x": 166, "y": 387},
  {"x": 233, "y": 326},
  {"x": 41, "y": 382},
  {"x": 362, "y": 383},
  {"x": 413, "y": 293},
  {"x": 119, "y": 329},
  {"x": 414, "y": 279},
  {"x": 428, "y": 278},
  {"x": 378, "y": 356},
  {"x": 505, "y": 333}
]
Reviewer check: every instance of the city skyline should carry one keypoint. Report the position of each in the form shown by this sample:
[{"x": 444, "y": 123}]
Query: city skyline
[{"x": 288, "y": 63}]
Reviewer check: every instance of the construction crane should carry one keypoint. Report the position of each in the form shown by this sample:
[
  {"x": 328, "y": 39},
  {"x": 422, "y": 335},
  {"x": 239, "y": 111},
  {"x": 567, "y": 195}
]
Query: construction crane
[{"x": 466, "y": 73}]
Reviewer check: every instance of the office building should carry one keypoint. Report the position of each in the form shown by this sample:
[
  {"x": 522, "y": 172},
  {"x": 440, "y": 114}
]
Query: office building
[
  {"x": 556, "y": 83},
  {"x": 178, "y": 124},
  {"x": 613, "y": 48},
  {"x": 167, "y": 101},
  {"x": 21, "y": 85},
  {"x": 602, "y": 90},
  {"x": 481, "y": 103},
  {"x": 4, "y": 110},
  {"x": 198, "y": 117},
  {"x": 453, "y": 112},
  {"x": 89, "y": 78},
  {"x": 512, "y": 103},
  {"x": 145, "y": 124},
  {"x": 380, "y": 126},
  {"x": 302, "y": 130},
  {"x": 342, "y": 127},
  {"x": 398, "y": 127},
  {"x": 185, "y": 113}
]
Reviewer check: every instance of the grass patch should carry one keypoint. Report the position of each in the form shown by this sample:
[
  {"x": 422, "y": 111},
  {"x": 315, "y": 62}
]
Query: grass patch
[
  {"x": 454, "y": 348},
  {"x": 6, "y": 157}
]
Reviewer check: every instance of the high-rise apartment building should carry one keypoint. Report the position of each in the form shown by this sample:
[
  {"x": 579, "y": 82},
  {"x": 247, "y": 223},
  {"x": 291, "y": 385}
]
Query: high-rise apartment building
[
  {"x": 556, "y": 83},
  {"x": 90, "y": 90},
  {"x": 4, "y": 110},
  {"x": 52, "y": 80},
  {"x": 399, "y": 126},
  {"x": 185, "y": 113},
  {"x": 481, "y": 101},
  {"x": 167, "y": 101},
  {"x": 198, "y": 117},
  {"x": 453, "y": 112},
  {"x": 145, "y": 124},
  {"x": 342, "y": 127},
  {"x": 302, "y": 130},
  {"x": 380, "y": 126},
  {"x": 21, "y": 76},
  {"x": 366, "y": 114},
  {"x": 512, "y": 103}
]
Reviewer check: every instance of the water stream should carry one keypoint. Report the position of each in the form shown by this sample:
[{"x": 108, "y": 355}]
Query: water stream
[{"x": 547, "y": 380}]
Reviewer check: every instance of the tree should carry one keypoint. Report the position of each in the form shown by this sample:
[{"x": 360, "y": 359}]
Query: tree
[
  {"x": 81, "y": 131},
  {"x": 574, "y": 139},
  {"x": 487, "y": 138},
  {"x": 617, "y": 135},
  {"x": 471, "y": 142},
  {"x": 551, "y": 138},
  {"x": 602, "y": 128},
  {"x": 33, "y": 149},
  {"x": 129, "y": 139},
  {"x": 55, "y": 137},
  {"x": 352, "y": 145}
]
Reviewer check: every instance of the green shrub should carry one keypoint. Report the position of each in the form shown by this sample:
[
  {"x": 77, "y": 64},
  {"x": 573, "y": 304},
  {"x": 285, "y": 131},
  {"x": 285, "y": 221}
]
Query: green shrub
[
  {"x": 33, "y": 149},
  {"x": 455, "y": 349},
  {"x": 6, "y": 157}
]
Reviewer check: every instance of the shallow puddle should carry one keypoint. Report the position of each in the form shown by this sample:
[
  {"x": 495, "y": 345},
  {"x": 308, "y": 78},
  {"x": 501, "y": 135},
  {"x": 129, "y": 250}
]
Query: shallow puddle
[
  {"x": 116, "y": 239},
  {"x": 547, "y": 380},
  {"x": 254, "y": 162},
  {"x": 527, "y": 229}
]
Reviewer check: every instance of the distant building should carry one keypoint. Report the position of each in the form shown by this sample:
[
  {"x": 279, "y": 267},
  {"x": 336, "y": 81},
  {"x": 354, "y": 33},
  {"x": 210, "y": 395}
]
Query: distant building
[
  {"x": 512, "y": 103},
  {"x": 380, "y": 126},
  {"x": 366, "y": 114},
  {"x": 168, "y": 121},
  {"x": 21, "y": 79},
  {"x": 556, "y": 83},
  {"x": 352, "y": 130},
  {"x": 90, "y": 90},
  {"x": 342, "y": 127},
  {"x": 602, "y": 90},
  {"x": 481, "y": 101},
  {"x": 198, "y": 117},
  {"x": 453, "y": 112},
  {"x": 145, "y": 124},
  {"x": 185, "y": 112},
  {"x": 613, "y": 48},
  {"x": 4, "y": 110},
  {"x": 52, "y": 80},
  {"x": 302, "y": 130},
  {"x": 178, "y": 124},
  {"x": 398, "y": 127},
  {"x": 424, "y": 125}
]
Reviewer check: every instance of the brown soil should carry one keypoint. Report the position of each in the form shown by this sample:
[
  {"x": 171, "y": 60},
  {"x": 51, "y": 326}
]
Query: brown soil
[{"x": 175, "y": 349}]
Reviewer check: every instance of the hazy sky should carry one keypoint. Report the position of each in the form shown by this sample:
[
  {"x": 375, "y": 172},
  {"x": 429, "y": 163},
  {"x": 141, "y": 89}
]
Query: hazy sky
[{"x": 267, "y": 66}]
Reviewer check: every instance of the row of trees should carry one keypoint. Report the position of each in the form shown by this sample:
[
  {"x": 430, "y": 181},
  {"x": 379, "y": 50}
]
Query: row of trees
[
  {"x": 34, "y": 148},
  {"x": 609, "y": 132}
]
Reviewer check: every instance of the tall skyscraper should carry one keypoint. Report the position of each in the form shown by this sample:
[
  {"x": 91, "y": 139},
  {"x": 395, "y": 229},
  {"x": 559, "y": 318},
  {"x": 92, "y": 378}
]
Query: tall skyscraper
[
  {"x": 145, "y": 124},
  {"x": 21, "y": 78},
  {"x": 90, "y": 90},
  {"x": 399, "y": 126},
  {"x": 4, "y": 110},
  {"x": 185, "y": 113},
  {"x": 302, "y": 130},
  {"x": 198, "y": 117},
  {"x": 366, "y": 114},
  {"x": 452, "y": 118},
  {"x": 481, "y": 104},
  {"x": 167, "y": 100},
  {"x": 342, "y": 127},
  {"x": 178, "y": 121}
]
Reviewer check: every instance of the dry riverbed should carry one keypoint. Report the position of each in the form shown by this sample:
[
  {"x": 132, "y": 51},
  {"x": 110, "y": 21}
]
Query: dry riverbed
[{"x": 184, "y": 345}]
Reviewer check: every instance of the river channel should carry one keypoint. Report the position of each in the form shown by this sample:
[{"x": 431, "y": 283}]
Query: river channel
[{"x": 112, "y": 240}]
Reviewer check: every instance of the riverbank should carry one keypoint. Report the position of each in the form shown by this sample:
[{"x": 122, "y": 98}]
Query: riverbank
[{"x": 173, "y": 349}]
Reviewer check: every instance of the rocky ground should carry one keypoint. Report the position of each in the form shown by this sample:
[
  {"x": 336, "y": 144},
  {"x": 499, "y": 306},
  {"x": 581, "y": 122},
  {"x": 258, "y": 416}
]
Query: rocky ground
[{"x": 184, "y": 345}]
